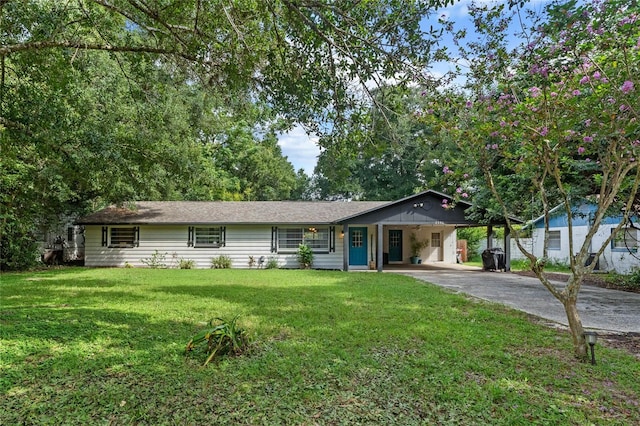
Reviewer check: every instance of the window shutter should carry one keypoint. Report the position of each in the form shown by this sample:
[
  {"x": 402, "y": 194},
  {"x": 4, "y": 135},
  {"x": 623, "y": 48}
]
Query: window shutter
[
  {"x": 136, "y": 238},
  {"x": 274, "y": 239},
  {"x": 223, "y": 236},
  {"x": 190, "y": 237},
  {"x": 105, "y": 233},
  {"x": 332, "y": 239}
]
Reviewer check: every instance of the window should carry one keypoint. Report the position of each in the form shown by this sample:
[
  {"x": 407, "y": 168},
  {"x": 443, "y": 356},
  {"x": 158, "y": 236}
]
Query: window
[
  {"x": 318, "y": 239},
  {"x": 554, "y": 240},
  {"x": 289, "y": 238},
  {"x": 357, "y": 238},
  {"x": 124, "y": 237},
  {"x": 625, "y": 239},
  {"x": 435, "y": 239},
  {"x": 209, "y": 237}
]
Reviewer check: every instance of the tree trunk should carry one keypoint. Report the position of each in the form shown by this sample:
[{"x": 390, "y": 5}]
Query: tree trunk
[{"x": 575, "y": 327}]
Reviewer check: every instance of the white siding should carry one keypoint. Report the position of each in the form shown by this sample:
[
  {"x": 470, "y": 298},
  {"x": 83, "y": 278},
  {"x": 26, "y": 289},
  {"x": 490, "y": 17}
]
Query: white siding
[
  {"x": 241, "y": 242},
  {"x": 620, "y": 261}
]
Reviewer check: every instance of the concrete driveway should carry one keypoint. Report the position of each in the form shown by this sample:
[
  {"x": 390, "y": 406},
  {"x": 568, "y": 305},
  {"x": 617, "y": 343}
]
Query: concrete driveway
[{"x": 601, "y": 309}]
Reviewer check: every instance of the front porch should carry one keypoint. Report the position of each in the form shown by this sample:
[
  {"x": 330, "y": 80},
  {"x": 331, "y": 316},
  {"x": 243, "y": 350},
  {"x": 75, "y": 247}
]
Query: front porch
[{"x": 384, "y": 237}]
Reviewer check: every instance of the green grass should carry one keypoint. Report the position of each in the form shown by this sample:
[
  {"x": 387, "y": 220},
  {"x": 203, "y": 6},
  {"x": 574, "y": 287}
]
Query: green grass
[{"x": 106, "y": 346}]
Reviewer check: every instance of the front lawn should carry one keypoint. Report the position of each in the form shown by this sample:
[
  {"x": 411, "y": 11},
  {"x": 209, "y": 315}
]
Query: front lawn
[{"x": 106, "y": 346}]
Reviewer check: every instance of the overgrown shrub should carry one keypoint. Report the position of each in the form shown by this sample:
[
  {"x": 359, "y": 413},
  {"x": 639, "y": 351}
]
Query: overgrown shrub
[
  {"x": 272, "y": 263},
  {"x": 630, "y": 281},
  {"x": 18, "y": 247},
  {"x": 186, "y": 264},
  {"x": 305, "y": 256},
  {"x": 221, "y": 262},
  {"x": 156, "y": 261},
  {"x": 221, "y": 338}
]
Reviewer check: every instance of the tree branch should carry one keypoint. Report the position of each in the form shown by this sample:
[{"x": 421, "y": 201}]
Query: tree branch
[{"x": 40, "y": 45}]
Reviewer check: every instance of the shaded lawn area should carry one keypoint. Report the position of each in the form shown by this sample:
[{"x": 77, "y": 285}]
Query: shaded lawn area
[{"x": 106, "y": 346}]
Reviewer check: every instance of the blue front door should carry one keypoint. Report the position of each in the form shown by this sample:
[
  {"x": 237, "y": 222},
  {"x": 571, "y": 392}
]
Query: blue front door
[
  {"x": 357, "y": 246},
  {"x": 395, "y": 245}
]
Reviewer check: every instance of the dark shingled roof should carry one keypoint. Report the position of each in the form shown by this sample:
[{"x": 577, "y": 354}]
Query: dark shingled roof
[{"x": 230, "y": 212}]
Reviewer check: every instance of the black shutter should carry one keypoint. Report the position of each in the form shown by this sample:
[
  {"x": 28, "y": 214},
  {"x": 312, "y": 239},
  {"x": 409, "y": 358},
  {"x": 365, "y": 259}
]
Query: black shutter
[
  {"x": 136, "y": 236},
  {"x": 332, "y": 239},
  {"x": 105, "y": 235},
  {"x": 223, "y": 236},
  {"x": 274, "y": 239},
  {"x": 190, "y": 237}
]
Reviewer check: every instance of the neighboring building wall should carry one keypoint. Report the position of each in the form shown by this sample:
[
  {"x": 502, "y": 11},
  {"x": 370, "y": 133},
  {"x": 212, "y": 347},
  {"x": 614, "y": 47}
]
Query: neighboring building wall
[
  {"x": 240, "y": 243},
  {"x": 618, "y": 260},
  {"x": 516, "y": 254},
  {"x": 73, "y": 236}
]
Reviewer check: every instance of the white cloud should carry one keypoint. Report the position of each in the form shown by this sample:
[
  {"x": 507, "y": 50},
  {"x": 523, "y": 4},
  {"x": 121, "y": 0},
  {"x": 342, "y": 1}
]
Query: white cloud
[{"x": 300, "y": 148}]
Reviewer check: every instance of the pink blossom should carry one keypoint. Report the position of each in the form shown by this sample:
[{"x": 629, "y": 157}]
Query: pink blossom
[
  {"x": 494, "y": 146},
  {"x": 445, "y": 201},
  {"x": 587, "y": 122},
  {"x": 627, "y": 86},
  {"x": 535, "y": 92},
  {"x": 576, "y": 92},
  {"x": 587, "y": 139},
  {"x": 466, "y": 175},
  {"x": 465, "y": 195},
  {"x": 458, "y": 190},
  {"x": 623, "y": 108},
  {"x": 596, "y": 75},
  {"x": 469, "y": 104},
  {"x": 584, "y": 80},
  {"x": 503, "y": 123},
  {"x": 544, "y": 131},
  {"x": 580, "y": 150},
  {"x": 553, "y": 94}
]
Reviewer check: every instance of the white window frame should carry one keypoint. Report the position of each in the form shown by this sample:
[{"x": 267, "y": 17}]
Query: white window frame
[
  {"x": 625, "y": 239},
  {"x": 436, "y": 242},
  {"x": 208, "y": 236},
  {"x": 317, "y": 238},
  {"x": 555, "y": 236},
  {"x": 123, "y": 236}
]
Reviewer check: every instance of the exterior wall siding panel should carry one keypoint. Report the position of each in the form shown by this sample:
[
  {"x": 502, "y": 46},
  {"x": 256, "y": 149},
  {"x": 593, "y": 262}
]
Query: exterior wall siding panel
[{"x": 171, "y": 241}]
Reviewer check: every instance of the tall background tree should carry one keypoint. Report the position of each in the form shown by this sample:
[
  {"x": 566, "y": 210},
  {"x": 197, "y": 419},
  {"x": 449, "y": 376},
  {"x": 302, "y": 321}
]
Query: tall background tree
[
  {"x": 108, "y": 101},
  {"x": 555, "y": 121}
]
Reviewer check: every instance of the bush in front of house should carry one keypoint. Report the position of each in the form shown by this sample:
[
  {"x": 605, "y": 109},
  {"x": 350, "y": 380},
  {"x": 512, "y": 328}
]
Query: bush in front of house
[
  {"x": 272, "y": 263},
  {"x": 186, "y": 264},
  {"x": 305, "y": 256},
  {"x": 221, "y": 262}
]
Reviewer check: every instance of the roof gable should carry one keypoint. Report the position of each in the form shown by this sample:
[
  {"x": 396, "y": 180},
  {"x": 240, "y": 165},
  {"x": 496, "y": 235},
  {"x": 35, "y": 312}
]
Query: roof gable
[{"x": 427, "y": 207}]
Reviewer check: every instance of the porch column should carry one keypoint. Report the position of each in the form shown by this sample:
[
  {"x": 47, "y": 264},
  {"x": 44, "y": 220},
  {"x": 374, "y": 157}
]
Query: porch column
[
  {"x": 345, "y": 247},
  {"x": 489, "y": 239},
  {"x": 379, "y": 247},
  {"x": 507, "y": 248}
]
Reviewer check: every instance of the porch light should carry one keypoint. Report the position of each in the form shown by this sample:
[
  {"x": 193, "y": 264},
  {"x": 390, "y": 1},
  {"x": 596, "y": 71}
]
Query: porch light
[
  {"x": 591, "y": 337},
  {"x": 416, "y": 205},
  {"x": 341, "y": 234}
]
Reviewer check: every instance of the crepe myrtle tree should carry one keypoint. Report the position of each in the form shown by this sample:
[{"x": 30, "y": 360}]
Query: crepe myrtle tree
[{"x": 555, "y": 124}]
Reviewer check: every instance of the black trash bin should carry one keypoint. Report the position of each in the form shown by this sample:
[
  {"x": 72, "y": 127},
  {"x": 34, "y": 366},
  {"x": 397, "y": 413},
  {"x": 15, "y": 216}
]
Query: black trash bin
[{"x": 493, "y": 259}]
